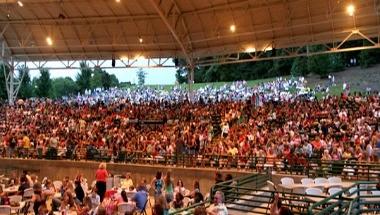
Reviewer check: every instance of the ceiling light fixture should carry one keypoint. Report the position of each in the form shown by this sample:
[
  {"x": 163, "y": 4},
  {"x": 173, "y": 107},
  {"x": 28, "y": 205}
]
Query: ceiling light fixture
[
  {"x": 250, "y": 50},
  {"x": 141, "y": 40},
  {"x": 49, "y": 41},
  {"x": 269, "y": 48},
  {"x": 351, "y": 9},
  {"x": 20, "y": 3},
  {"x": 124, "y": 58},
  {"x": 232, "y": 28}
]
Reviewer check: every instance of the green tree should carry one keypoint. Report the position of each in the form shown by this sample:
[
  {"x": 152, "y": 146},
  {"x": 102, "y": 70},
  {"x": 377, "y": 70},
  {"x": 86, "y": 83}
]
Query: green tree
[
  {"x": 114, "y": 81},
  {"x": 83, "y": 79},
  {"x": 63, "y": 87},
  {"x": 3, "y": 89},
  {"x": 336, "y": 62},
  {"x": 102, "y": 79},
  {"x": 367, "y": 58},
  {"x": 44, "y": 84},
  {"x": 181, "y": 75},
  {"x": 26, "y": 89},
  {"x": 141, "y": 74},
  {"x": 96, "y": 79},
  {"x": 106, "y": 80},
  {"x": 299, "y": 67}
]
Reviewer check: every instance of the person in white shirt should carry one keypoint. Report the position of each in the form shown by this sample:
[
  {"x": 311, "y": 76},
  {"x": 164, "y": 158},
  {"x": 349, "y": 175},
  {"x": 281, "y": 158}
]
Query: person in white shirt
[
  {"x": 218, "y": 208},
  {"x": 225, "y": 130}
]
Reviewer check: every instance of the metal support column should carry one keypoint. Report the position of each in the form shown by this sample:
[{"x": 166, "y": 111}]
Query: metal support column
[
  {"x": 190, "y": 80},
  {"x": 12, "y": 85}
]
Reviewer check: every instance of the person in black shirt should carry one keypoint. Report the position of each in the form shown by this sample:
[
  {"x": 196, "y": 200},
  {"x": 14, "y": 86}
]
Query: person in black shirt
[
  {"x": 24, "y": 184},
  {"x": 79, "y": 193}
]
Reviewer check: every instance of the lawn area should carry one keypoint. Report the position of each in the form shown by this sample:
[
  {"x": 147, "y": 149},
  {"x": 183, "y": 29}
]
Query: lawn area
[
  {"x": 213, "y": 84},
  {"x": 335, "y": 90}
]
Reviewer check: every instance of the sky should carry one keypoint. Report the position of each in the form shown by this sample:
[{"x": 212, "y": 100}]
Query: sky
[{"x": 154, "y": 76}]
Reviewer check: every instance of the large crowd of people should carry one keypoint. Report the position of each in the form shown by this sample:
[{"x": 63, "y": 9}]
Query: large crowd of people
[
  {"x": 108, "y": 194},
  {"x": 333, "y": 128},
  {"x": 275, "y": 121}
]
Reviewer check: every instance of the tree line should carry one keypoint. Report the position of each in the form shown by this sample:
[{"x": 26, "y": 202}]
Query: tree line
[
  {"x": 321, "y": 65},
  {"x": 45, "y": 86}
]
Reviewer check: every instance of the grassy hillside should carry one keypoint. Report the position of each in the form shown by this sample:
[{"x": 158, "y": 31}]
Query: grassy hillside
[{"x": 358, "y": 79}]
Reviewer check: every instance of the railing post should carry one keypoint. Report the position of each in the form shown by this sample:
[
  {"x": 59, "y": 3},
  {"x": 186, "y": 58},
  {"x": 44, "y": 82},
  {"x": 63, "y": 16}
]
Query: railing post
[
  {"x": 358, "y": 197},
  {"x": 368, "y": 172},
  {"x": 340, "y": 204}
]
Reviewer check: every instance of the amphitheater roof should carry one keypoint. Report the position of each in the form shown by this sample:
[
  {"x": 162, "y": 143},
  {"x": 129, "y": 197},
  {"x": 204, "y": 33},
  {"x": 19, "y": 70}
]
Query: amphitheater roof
[{"x": 102, "y": 29}]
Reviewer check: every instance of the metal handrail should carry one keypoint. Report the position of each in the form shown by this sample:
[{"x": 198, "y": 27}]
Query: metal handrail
[{"x": 349, "y": 202}]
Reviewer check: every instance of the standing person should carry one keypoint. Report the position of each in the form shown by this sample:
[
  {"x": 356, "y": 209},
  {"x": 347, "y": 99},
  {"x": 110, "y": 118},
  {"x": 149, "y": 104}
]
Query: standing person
[
  {"x": 157, "y": 184},
  {"x": 79, "y": 192},
  {"x": 169, "y": 188},
  {"x": 101, "y": 176}
]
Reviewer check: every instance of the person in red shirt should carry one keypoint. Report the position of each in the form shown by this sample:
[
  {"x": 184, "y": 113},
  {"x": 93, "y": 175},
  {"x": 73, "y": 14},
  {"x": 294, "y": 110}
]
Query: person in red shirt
[{"x": 101, "y": 176}]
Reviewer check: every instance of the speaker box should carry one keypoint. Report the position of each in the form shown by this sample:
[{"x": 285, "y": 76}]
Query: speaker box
[
  {"x": 113, "y": 62},
  {"x": 176, "y": 62}
]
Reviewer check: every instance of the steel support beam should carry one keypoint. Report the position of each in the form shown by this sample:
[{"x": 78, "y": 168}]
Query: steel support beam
[
  {"x": 222, "y": 61},
  {"x": 12, "y": 84},
  {"x": 104, "y": 64},
  {"x": 172, "y": 30}
]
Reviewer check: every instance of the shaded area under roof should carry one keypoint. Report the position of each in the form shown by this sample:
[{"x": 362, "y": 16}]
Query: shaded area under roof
[{"x": 101, "y": 29}]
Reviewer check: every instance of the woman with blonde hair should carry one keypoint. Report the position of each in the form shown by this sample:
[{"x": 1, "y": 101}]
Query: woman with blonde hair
[{"x": 101, "y": 176}]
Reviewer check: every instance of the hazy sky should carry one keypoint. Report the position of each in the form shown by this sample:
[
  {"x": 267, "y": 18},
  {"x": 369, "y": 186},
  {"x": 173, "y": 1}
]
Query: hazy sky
[{"x": 160, "y": 76}]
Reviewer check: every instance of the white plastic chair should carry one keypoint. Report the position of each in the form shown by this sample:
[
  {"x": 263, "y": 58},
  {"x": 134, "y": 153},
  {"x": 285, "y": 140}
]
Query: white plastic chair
[
  {"x": 333, "y": 180},
  {"x": 124, "y": 207},
  {"x": 334, "y": 190},
  {"x": 109, "y": 183},
  {"x": 307, "y": 181},
  {"x": 116, "y": 180},
  {"x": 320, "y": 181},
  {"x": 15, "y": 198},
  {"x": 314, "y": 191},
  {"x": 287, "y": 181},
  {"x": 130, "y": 194},
  {"x": 5, "y": 209},
  {"x": 375, "y": 192}
]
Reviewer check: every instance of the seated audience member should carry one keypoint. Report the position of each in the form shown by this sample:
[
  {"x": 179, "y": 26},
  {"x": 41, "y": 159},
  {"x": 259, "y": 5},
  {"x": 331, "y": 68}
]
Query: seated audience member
[
  {"x": 24, "y": 184},
  {"x": 196, "y": 189},
  {"x": 38, "y": 197},
  {"x": 126, "y": 182},
  {"x": 79, "y": 193},
  {"x": 141, "y": 198},
  {"x": 178, "y": 201},
  {"x": 201, "y": 210},
  {"x": 95, "y": 198},
  {"x": 198, "y": 198},
  {"x": 124, "y": 199},
  {"x": 180, "y": 187},
  {"x": 218, "y": 177},
  {"x": 278, "y": 209},
  {"x": 86, "y": 207},
  {"x": 2, "y": 193},
  {"x": 100, "y": 211},
  {"x": 218, "y": 208},
  {"x": 158, "y": 210},
  {"x": 68, "y": 202},
  {"x": 161, "y": 200}
]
